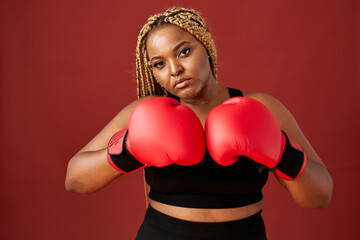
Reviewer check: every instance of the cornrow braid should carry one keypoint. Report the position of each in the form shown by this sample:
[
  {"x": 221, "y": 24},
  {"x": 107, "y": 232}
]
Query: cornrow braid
[{"x": 188, "y": 20}]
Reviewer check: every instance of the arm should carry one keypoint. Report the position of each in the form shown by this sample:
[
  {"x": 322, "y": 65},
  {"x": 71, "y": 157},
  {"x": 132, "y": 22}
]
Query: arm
[
  {"x": 313, "y": 188},
  {"x": 89, "y": 170},
  {"x": 144, "y": 140}
]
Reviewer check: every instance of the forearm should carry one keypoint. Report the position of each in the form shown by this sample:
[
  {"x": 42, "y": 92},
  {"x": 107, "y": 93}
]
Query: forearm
[
  {"x": 89, "y": 172},
  {"x": 313, "y": 188}
]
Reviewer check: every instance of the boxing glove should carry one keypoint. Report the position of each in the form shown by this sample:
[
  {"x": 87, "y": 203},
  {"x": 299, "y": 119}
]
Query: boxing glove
[
  {"x": 160, "y": 132},
  {"x": 246, "y": 127}
]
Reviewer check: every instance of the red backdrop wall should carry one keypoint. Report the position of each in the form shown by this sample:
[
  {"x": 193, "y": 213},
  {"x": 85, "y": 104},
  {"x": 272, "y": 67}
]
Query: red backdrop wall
[{"x": 68, "y": 67}]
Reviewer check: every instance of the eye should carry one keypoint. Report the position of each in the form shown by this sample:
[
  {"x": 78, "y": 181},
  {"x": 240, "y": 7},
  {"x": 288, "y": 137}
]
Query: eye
[
  {"x": 158, "y": 64},
  {"x": 184, "y": 52}
]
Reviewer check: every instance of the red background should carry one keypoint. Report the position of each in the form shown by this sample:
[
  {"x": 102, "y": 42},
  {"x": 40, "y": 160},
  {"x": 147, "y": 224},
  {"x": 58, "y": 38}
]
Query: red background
[{"x": 68, "y": 67}]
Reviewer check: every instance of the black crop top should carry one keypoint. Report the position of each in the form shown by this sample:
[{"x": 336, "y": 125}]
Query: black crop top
[{"x": 208, "y": 184}]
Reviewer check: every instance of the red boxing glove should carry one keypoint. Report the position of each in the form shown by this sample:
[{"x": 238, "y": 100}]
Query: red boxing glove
[
  {"x": 160, "y": 132},
  {"x": 119, "y": 156},
  {"x": 244, "y": 126}
]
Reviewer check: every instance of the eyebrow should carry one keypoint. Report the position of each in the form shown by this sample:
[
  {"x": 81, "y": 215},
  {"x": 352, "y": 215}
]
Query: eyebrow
[{"x": 175, "y": 49}]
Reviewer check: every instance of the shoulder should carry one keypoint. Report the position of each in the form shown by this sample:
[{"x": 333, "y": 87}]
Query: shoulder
[
  {"x": 281, "y": 113},
  {"x": 268, "y": 100},
  {"x": 119, "y": 122},
  {"x": 122, "y": 118},
  {"x": 285, "y": 119}
]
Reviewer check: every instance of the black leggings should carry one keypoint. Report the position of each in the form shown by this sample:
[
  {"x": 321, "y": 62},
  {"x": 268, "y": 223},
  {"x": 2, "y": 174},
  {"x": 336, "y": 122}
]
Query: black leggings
[{"x": 158, "y": 226}]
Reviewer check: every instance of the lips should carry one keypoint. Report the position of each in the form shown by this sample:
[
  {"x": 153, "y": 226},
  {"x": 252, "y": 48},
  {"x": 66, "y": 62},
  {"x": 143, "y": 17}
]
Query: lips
[{"x": 182, "y": 82}]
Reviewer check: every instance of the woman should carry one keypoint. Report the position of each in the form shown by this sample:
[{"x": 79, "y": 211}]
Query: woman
[{"x": 199, "y": 191}]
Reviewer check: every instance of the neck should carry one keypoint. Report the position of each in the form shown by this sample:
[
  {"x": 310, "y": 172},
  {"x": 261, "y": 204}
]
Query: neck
[{"x": 211, "y": 95}]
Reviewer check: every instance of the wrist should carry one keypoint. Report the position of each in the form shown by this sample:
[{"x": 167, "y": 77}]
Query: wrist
[
  {"x": 119, "y": 156},
  {"x": 293, "y": 160}
]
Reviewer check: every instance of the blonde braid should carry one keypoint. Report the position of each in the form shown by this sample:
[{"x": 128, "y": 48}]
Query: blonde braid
[{"x": 188, "y": 20}]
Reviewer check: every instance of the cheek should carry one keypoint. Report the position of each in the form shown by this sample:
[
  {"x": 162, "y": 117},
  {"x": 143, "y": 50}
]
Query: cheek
[
  {"x": 161, "y": 77},
  {"x": 203, "y": 65}
]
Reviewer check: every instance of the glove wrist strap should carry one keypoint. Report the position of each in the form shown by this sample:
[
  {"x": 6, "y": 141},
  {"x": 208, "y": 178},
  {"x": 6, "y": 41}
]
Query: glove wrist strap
[
  {"x": 292, "y": 162},
  {"x": 119, "y": 156}
]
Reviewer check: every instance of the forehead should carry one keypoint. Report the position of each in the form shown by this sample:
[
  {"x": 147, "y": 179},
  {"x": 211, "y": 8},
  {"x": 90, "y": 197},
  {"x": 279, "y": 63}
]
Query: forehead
[{"x": 165, "y": 38}]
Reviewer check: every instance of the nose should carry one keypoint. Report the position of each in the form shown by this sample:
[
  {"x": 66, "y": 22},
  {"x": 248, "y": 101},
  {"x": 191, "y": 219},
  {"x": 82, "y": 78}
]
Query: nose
[{"x": 176, "y": 68}]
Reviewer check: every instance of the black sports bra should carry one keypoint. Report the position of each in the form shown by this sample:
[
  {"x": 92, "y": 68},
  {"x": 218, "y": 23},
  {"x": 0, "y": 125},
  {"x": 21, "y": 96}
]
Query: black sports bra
[{"x": 208, "y": 184}]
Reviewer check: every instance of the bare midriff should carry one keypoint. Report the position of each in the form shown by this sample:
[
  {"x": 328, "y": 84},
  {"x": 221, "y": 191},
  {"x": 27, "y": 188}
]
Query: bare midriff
[{"x": 207, "y": 215}]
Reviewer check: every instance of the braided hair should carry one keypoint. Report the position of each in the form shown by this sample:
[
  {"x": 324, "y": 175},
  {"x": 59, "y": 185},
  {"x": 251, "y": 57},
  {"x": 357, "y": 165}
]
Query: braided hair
[{"x": 188, "y": 20}]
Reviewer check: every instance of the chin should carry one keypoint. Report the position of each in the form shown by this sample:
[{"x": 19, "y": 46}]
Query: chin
[
  {"x": 186, "y": 93},
  {"x": 191, "y": 91}
]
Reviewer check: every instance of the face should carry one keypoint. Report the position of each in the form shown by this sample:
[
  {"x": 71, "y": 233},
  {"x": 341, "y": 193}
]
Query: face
[{"x": 179, "y": 61}]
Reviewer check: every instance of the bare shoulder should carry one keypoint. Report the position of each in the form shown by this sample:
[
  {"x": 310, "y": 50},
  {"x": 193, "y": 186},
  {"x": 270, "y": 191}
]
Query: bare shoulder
[
  {"x": 268, "y": 100},
  {"x": 119, "y": 122},
  {"x": 285, "y": 119},
  {"x": 122, "y": 118}
]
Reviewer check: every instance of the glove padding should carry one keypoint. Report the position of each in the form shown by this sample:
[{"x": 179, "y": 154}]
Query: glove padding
[
  {"x": 160, "y": 132},
  {"x": 244, "y": 126}
]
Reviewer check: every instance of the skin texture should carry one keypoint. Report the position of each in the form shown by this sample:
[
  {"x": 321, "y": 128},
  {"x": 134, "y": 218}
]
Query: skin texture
[
  {"x": 180, "y": 64},
  {"x": 176, "y": 55}
]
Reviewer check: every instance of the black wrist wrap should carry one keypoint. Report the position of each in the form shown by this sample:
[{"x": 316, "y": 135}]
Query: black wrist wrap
[
  {"x": 124, "y": 160},
  {"x": 292, "y": 160}
]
